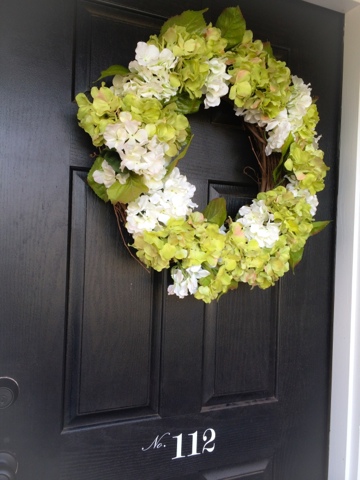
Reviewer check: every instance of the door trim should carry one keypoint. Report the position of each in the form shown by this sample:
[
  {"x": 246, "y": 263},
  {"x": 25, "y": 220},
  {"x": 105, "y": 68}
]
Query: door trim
[{"x": 345, "y": 403}]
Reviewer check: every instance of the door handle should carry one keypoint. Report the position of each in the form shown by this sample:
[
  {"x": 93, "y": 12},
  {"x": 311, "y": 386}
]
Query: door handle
[
  {"x": 8, "y": 466},
  {"x": 9, "y": 391}
]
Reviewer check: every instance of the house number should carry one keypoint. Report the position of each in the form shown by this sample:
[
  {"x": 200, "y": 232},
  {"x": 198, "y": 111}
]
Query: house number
[{"x": 198, "y": 447}]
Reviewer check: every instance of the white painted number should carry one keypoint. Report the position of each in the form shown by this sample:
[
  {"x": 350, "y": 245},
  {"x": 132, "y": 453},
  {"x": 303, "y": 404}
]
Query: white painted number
[
  {"x": 206, "y": 446},
  {"x": 208, "y": 438},
  {"x": 194, "y": 444},
  {"x": 209, "y": 445},
  {"x": 178, "y": 447}
]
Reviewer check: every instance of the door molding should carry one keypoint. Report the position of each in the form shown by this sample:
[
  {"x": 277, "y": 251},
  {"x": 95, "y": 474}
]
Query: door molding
[{"x": 345, "y": 403}]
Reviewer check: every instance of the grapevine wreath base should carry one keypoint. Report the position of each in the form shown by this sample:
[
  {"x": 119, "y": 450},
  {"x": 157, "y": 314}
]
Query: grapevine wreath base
[{"x": 140, "y": 127}]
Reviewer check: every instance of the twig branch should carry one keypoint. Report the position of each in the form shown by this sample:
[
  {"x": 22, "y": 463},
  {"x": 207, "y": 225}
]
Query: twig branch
[
  {"x": 119, "y": 210},
  {"x": 267, "y": 163}
]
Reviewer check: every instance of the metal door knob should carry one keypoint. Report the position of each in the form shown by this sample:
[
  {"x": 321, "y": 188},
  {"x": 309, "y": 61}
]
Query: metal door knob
[
  {"x": 8, "y": 466},
  {"x": 9, "y": 391}
]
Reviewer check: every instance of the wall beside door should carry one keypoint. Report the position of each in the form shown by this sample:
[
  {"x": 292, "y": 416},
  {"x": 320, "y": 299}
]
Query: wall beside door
[{"x": 345, "y": 417}]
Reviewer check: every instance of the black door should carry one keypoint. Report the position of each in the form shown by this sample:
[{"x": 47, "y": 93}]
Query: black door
[{"x": 116, "y": 379}]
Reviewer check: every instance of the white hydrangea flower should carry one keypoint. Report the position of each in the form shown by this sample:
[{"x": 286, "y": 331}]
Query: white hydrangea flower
[
  {"x": 137, "y": 152},
  {"x": 186, "y": 281},
  {"x": 300, "y": 101},
  {"x": 177, "y": 194},
  {"x": 118, "y": 85},
  {"x": 252, "y": 116},
  {"x": 154, "y": 182},
  {"x": 126, "y": 131},
  {"x": 122, "y": 177},
  {"x": 153, "y": 210},
  {"x": 151, "y": 57},
  {"x": 215, "y": 85},
  {"x": 146, "y": 84},
  {"x": 258, "y": 224},
  {"x": 149, "y": 74},
  {"x": 279, "y": 129},
  {"x": 141, "y": 216},
  {"x": 312, "y": 200},
  {"x": 124, "y": 84},
  {"x": 315, "y": 142},
  {"x": 148, "y": 159},
  {"x": 107, "y": 175},
  {"x": 179, "y": 287}
]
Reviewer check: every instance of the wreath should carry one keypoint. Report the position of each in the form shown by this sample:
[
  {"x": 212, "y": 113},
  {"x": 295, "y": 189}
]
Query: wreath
[{"x": 140, "y": 127}]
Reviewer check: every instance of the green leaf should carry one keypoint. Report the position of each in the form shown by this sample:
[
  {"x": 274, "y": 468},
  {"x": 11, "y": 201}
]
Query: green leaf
[
  {"x": 187, "y": 105},
  {"x": 113, "y": 158},
  {"x": 98, "y": 188},
  {"x": 232, "y": 25},
  {"x": 295, "y": 258},
  {"x": 284, "y": 150},
  {"x": 277, "y": 170},
  {"x": 215, "y": 211},
  {"x": 128, "y": 192},
  {"x": 268, "y": 49},
  {"x": 192, "y": 20},
  {"x": 113, "y": 70},
  {"x": 317, "y": 227},
  {"x": 181, "y": 155},
  {"x": 286, "y": 145}
]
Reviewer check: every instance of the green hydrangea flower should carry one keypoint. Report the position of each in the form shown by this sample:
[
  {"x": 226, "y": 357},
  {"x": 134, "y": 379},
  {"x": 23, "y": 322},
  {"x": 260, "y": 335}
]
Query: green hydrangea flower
[{"x": 95, "y": 116}]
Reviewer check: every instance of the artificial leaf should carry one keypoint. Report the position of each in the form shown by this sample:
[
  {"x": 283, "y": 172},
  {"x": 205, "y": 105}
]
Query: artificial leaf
[
  {"x": 317, "y": 227},
  {"x": 284, "y": 150},
  {"x": 192, "y": 20},
  {"x": 295, "y": 258},
  {"x": 187, "y": 105},
  {"x": 113, "y": 159},
  {"x": 215, "y": 211},
  {"x": 232, "y": 25},
  {"x": 99, "y": 188},
  {"x": 113, "y": 70},
  {"x": 268, "y": 49},
  {"x": 128, "y": 192},
  {"x": 276, "y": 174},
  {"x": 286, "y": 145},
  {"x": 181, "y": 155}
]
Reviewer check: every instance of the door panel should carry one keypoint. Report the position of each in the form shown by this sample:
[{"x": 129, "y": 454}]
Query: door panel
[
  {"x": 113, "y": 363},
  {"x": 117, "y": 379},
  {"x": 118, "y": 28},
  {"x": 259, "y": 471},
  {"x": 240, "y": 355}
]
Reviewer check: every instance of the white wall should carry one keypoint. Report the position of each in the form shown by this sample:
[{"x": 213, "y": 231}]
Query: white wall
[
  {"x": 345, "y": 411},
  {"x": 338, "y": 5}
]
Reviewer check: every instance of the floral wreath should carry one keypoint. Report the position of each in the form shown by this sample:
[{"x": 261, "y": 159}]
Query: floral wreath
[{"x": 140, "y": 128}]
